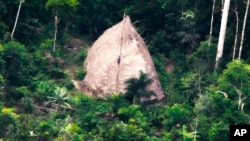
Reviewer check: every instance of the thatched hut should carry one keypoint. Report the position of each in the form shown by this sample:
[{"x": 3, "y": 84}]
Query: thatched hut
[{"x": 117, "y": 55}]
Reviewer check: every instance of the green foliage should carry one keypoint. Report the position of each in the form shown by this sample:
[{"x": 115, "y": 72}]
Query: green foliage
[
  {"x": 80, "y": 74},
  {"x": 192, "y": 84},
  {"x": 187, "y": 136},
  {"x": 89, "y": 119},
  {"x": 155, "y": 116},
  {"x": 44, "y": 89},
  {"x": 123, "y": 131},
  {"x": 67, "y": 82},
  {"x": 204, "y": 105},
  {"x": 27, "y": 103},
  {"x": 67, "y": 4},
  {"x": 195, "y": 81},
  {"x": 189, "y": 86},
  {"x": 219, "y": 131},
  {"x": 58, "y": 73},
  {"x": 3, "y": 29},
  {"x": 187, "y": 36},
  {"x": 46, "y": 45},
  {"x": 162, "y": 73},
  {"x": 203, "y": 125},
  {"x": 8, "y": 123},
  {"x": 177, "y": 115},
  {"x": 204, "y": 55},
  {"x": 63, "y": 8},
  {"x": 82, "y": 55},
  {"x": 1, "y": 80},
  {"x": 46, "y": 130},
  {"x": 117, "y": 101},
  {"x": 237, "y": 74},
  {"x": 77, "y": 98},
  {"x": 200, "y": 102},
  {"x": 8, "y": 126},
  {"x": 235, "y": 81},
  {"x": 129, "y": 112},
  {"x": 1, "y": 105},
  {"x": 16, "y": 58},
  {"x": 60, "y": 98},
  {"x": 1, "y": 47},
  {"x": 219, "y": 104},
  {"x": 158, "y": 44},
  {"x": 181, "y": 65}
]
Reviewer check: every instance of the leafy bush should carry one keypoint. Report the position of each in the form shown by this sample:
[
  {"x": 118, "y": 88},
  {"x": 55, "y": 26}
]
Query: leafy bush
[
  {"x": 128, "y": 132},
  {"x": 80, "y": 74},
  {"x": 58, "y": 73},
  {"x": 3, "y": 29},
  {"x": 16, "y": 62},
  {"x": 176, "y": 115},
  {"x": 67, "y": 82},
  {"x": 8, "y": 122},
  {"x": 235, "y": 82},
  {"x": 163, "y": 75},
  {"x": 203, "y": 56},
  {"x": 158, "y": 43},
  {"x": 44, "y": 89},
  {"x": 82, "y": 55}
]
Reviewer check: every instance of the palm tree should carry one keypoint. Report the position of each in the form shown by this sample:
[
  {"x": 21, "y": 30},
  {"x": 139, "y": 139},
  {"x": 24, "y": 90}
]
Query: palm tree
[
  {"x": 60, "y": 98},
  {"x": 137, "y": 88}
]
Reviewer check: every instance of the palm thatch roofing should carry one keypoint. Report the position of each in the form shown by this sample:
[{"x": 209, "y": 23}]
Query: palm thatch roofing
[{"x": 117, "y": 55}]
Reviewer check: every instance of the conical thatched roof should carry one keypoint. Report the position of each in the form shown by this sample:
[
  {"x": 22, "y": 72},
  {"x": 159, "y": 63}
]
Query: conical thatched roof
[{"x": 119, "y": 54}]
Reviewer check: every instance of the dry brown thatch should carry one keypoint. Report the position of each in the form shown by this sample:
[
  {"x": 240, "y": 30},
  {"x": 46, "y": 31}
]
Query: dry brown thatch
[{"x": 119, "y": 54}]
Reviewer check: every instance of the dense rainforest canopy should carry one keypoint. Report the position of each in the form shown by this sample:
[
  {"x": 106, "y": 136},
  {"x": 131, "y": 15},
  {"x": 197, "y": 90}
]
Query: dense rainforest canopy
[{"x": 43, "y": 44}]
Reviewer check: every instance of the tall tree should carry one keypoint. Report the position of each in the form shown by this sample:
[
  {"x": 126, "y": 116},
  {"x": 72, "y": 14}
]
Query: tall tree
[
  {"x": 188, "y": 36},
  {"x": 237, "y": 28},
  {"x": 211, "y": 24},
  {"x": 59, "y": 8},
  {"x": 17, "y": 16},
  {"x": 235, "y": 83},
  {"x": 243, "y": 29},
  {"x": 223, "y": 28}
]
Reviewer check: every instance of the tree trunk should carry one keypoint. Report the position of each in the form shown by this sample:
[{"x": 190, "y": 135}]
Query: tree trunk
[
  {"x": 236, "y": 31},
  {"x": 211, "y": 24},
  {"x": 66, "y": 24},
  {"x": 222, "y": 7},
  {"x": 17, "y": 16},
  {"x": 223, "y": 28},
  {"x": 243, "y": 30},
  {"x": 55, "y": 35},
  {"x": 240, "y": 99},
  {"x": 196, "y": 127}
]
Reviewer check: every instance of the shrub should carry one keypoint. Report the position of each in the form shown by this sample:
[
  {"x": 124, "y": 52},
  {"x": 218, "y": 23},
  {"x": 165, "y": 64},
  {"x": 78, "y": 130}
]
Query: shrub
[{"x": 80, "y": 74}]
